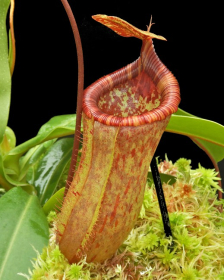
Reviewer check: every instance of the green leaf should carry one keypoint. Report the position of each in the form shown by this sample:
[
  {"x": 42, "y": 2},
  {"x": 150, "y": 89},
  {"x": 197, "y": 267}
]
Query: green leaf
[
  {"x": 165, "y": 178},
  {"x": 59, "y": 124},
  {"x": 209, "y": 134},
  {"x": 9, "y": 141},
  {"x": 4, "y": 182},
  {"x": 57, "y": 127},
  {"x": 216, "y": 151},
  {"x": 5, "y": 76},
  {"x": 31, "y": 159},
  {"x": 51, "y": 168},
  {"x": 55, "y": 202},
  {"x": 10, "y": 49},
  {"x": 24, "y": 229},
  {"x": 197, "y": 127}
]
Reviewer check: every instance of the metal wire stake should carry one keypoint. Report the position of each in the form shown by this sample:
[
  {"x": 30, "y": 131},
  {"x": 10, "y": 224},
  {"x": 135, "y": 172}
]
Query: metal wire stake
[{"x": 161, "y": 198}]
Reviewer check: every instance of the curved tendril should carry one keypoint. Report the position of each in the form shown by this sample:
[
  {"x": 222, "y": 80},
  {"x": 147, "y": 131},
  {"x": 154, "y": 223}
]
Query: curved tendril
[
  {"x": 79, "y": 95},
  {"x": 11, "y": 14}
]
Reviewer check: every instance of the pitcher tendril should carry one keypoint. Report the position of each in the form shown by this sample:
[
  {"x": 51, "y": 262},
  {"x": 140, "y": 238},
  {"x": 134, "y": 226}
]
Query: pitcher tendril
[{"x": 80, "y": 92}]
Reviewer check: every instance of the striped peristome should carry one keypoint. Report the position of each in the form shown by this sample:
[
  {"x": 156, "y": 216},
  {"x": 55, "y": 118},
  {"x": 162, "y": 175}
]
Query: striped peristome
[{"x": 161, "y": 77}]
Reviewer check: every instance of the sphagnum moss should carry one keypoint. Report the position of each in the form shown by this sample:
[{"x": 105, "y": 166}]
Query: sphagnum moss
[{"x": 196, "y": 250}]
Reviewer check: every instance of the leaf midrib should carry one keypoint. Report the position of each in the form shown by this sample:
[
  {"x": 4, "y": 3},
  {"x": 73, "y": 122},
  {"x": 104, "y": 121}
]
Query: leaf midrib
[{"x": 14, "y": 235}]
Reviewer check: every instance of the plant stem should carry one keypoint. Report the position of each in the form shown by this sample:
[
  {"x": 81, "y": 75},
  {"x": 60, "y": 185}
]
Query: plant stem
[{"x": 80, "y": 92}]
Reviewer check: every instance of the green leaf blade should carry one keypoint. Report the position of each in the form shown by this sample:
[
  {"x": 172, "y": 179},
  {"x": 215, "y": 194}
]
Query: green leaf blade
[
  {"x": 4, "y": 182},
  {"x": 56, "y": 127},
  {"x": 51, "y": 168},
  {"x": 199, "y": 128},
  {"x": 63, "y": 121},
  {"x": 24, "y": 229},
  {"x": 32, "y": 158},
  {"x": 55, "y": 202},
  {"x": 209, "y": 134},
  {"x": 5, "y": 76},
  {"x": 165, "y": 178}
]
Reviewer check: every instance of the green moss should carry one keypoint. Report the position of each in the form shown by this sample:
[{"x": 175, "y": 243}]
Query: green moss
[{"x": 196, "y": 250}]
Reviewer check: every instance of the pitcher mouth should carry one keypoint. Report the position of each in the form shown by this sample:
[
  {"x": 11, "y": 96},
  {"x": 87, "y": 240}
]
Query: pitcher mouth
[{"x": 143, "y": 92}]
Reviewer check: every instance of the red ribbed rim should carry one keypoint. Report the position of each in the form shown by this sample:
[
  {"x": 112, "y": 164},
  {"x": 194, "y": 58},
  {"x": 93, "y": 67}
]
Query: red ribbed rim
[{"x": 164, "y": 80}]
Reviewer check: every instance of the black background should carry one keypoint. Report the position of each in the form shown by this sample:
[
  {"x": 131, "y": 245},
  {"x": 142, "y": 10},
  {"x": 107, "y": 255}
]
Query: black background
[{"x": 45, "y": 78}]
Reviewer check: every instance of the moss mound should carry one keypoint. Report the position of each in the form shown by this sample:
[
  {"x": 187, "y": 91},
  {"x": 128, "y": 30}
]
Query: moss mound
[{"x": 196, "y": 250}]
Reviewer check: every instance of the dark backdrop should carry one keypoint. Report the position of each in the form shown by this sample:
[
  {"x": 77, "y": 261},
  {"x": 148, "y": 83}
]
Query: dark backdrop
[{"x": 45, "y": 77}]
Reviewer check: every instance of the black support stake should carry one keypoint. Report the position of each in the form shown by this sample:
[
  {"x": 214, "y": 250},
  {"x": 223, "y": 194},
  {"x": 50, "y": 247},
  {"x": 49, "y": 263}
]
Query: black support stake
[{"x": 161, "y": 197}]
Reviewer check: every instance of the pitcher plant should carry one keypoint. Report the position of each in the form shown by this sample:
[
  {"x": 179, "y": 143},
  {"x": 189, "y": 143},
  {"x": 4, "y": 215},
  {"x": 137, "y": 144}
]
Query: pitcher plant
[{"x": 124, "y": 116}]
